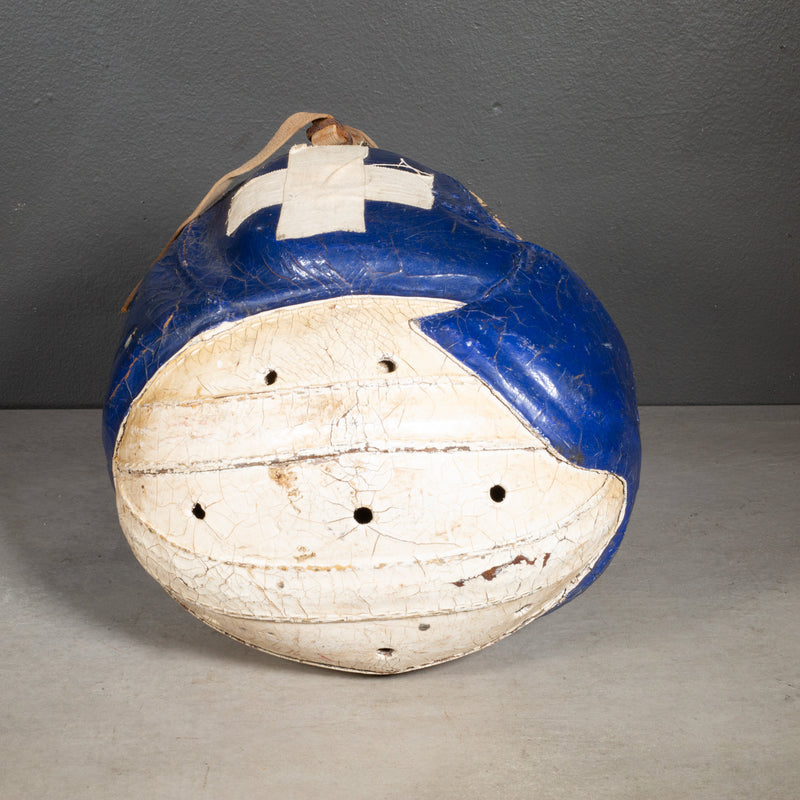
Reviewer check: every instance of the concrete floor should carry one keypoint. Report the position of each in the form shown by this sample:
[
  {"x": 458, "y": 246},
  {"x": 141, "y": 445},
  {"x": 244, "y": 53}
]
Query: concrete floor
[{"x": 677, "y": 675}]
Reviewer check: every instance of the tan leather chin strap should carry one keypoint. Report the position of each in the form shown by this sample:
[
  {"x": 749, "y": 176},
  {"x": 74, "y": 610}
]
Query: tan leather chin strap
[{"x": 324, "y": 130}]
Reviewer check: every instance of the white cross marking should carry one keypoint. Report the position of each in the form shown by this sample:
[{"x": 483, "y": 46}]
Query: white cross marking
[{"x": 323, "y": 189}]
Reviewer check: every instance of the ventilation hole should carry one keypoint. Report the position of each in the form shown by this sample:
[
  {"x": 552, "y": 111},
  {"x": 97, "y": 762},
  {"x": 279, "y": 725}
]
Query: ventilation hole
[
  {"x": 199, "y": 511},
  {"x": 423, "y": 626},
  {"x": 387, "y": 365},
  {"x": 497, "y": 493},
  {"x": 362, "y": 515},
  {"x": 281, "y": 584},
  {"x": 270, "y": 377},
  {"x": 386, "y": 652}
]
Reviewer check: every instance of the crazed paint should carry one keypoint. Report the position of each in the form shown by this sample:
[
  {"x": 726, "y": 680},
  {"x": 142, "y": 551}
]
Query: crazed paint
[{"x": 511, "y": 317}]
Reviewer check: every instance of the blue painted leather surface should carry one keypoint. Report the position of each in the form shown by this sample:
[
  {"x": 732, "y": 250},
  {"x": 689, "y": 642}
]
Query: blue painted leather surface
[{"x": 530, "y": 327}]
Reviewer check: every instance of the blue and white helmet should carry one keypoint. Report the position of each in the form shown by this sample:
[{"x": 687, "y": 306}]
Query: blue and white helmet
[{"x": 343, "y": 321}]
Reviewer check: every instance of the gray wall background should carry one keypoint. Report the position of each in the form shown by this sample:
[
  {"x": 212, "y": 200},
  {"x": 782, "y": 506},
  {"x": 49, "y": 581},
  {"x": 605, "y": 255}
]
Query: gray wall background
[{"x": 655, "y": 148}]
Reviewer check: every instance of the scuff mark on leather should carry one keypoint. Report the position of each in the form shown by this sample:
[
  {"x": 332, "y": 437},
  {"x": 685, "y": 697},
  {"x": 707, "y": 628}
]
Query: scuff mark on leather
[{"x": 491, "y": 573}]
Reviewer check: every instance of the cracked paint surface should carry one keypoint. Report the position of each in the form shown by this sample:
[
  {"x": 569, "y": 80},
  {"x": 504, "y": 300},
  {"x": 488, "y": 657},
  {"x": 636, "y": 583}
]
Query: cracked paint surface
[
  {"x": 280, "y": 470},
  {"x": 267, "y": 390}
]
